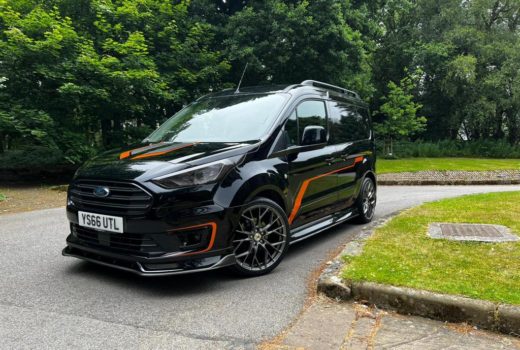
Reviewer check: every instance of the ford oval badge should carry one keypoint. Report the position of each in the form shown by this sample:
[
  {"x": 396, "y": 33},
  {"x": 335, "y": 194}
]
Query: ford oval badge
[{"x": 101, "y": 191}]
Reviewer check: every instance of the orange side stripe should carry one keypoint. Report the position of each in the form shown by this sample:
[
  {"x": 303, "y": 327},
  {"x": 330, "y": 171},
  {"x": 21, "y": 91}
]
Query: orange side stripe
[
  {"x": 213, "y": 226},
  {"x": 153, "y": 154},
  {"x": 305, "y": 184}
]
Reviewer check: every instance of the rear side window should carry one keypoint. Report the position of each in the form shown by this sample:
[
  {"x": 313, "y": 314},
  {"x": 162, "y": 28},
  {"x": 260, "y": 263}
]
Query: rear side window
[{"x": 348, "y": 123}]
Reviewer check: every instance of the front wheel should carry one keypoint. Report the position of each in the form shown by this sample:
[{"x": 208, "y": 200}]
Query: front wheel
[
  {"x": 366, "y": 202},
  {"x": 261, "y": 238}
]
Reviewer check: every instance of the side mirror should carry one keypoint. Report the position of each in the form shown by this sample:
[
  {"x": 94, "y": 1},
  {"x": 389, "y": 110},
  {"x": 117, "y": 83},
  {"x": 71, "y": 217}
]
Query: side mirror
[{"x": 314, "y": 134}]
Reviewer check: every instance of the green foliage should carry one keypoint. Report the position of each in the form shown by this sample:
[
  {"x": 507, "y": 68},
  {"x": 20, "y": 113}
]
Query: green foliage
[
  {"x": 452, "y": 148},
  {"x": 400, "y": 114},
  {"x": 291, "y": 41},
  {"x": 467, "y": 52},
  {"x": 81, "y": 76},
  {"x": 3, "y": 197},
  {"x": 37, "y": 157}
]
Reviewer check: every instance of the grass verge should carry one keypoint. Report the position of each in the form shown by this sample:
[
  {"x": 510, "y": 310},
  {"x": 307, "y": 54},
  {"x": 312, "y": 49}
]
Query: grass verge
[
  {"x": 26, "y": 198},
  {"x": 400, "y": 253},
  {"x": 467, "y": 164}
]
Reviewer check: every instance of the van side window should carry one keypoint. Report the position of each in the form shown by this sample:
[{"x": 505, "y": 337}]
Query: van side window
[
  {"x": 308, "y": 114},
  {"x": 311, "y": 114},
  {"x": 348, "y": 123}
]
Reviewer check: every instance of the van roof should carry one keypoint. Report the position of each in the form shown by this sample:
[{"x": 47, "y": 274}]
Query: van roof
[{"x": 307, "y": 86}]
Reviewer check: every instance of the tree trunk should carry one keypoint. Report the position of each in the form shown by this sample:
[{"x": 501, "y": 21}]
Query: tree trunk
[{"x": 105, "y": 132}]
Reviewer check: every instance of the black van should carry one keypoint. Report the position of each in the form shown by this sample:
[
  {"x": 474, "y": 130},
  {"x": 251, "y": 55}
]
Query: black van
[{"x": 230, "y": 181}]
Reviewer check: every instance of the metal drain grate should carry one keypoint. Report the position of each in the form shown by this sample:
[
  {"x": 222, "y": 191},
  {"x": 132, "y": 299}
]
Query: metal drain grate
[{"x": 471, "y": 232}]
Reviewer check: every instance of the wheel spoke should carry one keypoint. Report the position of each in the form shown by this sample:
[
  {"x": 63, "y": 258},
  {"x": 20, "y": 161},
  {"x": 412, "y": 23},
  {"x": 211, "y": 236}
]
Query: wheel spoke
[
  {"x": 272, "y": 246},
  {"x": 275, "y": 231},
  {"x": 267, "y": 251},
  {"x": 267, "y": 227}
]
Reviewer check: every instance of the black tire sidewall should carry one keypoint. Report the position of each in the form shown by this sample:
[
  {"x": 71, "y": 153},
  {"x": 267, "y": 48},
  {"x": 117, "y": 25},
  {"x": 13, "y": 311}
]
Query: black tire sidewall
[{"x": 362, "y": 218}]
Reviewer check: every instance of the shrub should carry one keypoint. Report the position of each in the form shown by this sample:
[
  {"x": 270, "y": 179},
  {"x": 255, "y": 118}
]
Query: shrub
[
  {"x": 32, "y": 157},
  {"x": 452, "y": 148}
]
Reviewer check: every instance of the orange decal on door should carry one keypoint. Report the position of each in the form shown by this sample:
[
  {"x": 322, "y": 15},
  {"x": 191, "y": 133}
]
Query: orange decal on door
[{"x": 305, "y": 184}]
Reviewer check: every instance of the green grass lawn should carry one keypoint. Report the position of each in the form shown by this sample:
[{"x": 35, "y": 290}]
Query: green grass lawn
[
  {"x": 400, "y": 253},
  {"x": 469, "y": 164}
]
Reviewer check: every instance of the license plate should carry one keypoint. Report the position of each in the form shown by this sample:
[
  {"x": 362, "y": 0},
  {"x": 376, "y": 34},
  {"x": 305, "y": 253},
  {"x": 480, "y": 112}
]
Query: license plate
[{"x": 101, "y": 222}]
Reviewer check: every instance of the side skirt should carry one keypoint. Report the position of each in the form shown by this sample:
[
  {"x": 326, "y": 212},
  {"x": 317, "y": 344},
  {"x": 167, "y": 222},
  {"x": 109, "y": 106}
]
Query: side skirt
[{"x": 313, "y": 228}]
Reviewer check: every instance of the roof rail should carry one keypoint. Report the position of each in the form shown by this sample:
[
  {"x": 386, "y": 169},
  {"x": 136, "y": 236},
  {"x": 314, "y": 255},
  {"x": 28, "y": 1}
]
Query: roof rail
[{"x": 330, "y": 87}]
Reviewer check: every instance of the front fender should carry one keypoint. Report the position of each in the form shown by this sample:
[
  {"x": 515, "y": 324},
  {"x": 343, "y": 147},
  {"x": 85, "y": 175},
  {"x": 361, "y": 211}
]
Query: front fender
[{"x": 250, "y": 180}]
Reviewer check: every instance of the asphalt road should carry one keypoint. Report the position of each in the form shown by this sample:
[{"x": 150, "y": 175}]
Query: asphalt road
[{"x": 52, "y": 302}]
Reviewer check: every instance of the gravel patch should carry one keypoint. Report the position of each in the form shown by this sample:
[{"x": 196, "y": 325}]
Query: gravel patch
[{"x": 451, "y": 177}]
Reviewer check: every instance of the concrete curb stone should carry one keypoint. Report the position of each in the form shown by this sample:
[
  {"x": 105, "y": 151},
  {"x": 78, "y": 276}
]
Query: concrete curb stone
[
  {"x": 444, "y": 183},
  {"x": 503, "y": 318}
]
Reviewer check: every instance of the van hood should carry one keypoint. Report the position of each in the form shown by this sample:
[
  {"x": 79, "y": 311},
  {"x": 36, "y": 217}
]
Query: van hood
[{"x": 146, "y": 161}]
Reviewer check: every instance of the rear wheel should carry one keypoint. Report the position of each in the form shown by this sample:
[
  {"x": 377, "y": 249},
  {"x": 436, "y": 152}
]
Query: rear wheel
[
  {"x": 366, "y": 202},
  {"x": 261, "y": 238}
]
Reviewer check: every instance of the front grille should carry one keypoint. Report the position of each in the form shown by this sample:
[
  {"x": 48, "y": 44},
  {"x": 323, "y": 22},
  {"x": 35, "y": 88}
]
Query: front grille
[
  {"x": 124, "y": 198},
  {"x": 124, "y": 242}
]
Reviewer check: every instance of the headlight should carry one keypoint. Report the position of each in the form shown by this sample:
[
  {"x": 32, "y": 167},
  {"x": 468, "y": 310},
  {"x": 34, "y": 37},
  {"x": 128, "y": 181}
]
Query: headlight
[{"x": 198, "y": 175}]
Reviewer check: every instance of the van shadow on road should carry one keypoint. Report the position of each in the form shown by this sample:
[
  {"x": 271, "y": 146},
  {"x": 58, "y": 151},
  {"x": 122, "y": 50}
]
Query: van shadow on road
[{"x": 209, "y": 281}]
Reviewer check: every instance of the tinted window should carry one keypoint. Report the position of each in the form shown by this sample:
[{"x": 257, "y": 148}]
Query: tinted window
[
  {"x": 308, "y": 113},
  {"x": 311, "y": 113},
  {"x": 348, "y": 123},
  {"x": 237, "y": 118}
]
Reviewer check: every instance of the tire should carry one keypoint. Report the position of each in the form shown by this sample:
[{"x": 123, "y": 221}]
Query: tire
[
  {"x": 366, "y": 202},
  {"x": 259, "y": 247}
]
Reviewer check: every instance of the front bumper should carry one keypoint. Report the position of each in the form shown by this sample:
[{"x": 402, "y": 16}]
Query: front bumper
[
  {"x": 162, "y": 241},
  {"x": 139, "y": 268}
]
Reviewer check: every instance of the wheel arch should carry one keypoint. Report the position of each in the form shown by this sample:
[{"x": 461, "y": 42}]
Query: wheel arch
[{"x": 370, "y": 174}]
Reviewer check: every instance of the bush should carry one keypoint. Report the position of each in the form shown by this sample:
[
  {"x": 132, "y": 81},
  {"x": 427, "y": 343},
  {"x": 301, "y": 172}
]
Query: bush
[
  {"x": 32, "y": 157},
  {"x": 451, "y": 148},
  {"x": 40, "y": 164}
]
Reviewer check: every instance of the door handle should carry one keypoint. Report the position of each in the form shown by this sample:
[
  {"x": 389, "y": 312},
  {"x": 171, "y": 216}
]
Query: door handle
[{"x": 330, "y": 160}]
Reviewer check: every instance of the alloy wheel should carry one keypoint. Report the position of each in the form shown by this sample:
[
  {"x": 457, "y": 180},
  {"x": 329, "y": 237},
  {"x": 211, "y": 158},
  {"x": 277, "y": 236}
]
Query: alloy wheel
[
  {"x": 369, "y": 199},
  {"x": 261, "y": 238}
]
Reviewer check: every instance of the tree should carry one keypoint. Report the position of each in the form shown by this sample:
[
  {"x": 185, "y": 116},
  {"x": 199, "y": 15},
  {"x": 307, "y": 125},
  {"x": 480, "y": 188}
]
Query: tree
[
  {"x": 291, "y": 41},
  {"x": 400, "y": 114}
]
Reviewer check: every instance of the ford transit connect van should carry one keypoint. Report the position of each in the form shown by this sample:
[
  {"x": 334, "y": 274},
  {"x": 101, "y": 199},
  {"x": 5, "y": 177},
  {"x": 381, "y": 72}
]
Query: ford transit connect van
[{"x": 230, "y": 181}]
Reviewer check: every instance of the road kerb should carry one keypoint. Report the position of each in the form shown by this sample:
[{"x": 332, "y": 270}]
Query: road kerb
[
  {"x": 445, "y": 183},
  {"x": 502, "y": 318}
]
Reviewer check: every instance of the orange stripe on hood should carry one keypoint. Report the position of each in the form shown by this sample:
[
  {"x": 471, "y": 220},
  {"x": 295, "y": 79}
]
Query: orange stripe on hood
[
  {"x": 127, "y": 154},
  {"x": 159, "y": 153}
]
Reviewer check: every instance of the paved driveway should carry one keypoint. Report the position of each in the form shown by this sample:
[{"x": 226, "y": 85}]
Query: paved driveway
[{"x": 51, "y": 302}]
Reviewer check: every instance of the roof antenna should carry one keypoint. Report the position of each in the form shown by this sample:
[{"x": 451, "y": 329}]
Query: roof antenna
[{"x": 242, "y": 77}]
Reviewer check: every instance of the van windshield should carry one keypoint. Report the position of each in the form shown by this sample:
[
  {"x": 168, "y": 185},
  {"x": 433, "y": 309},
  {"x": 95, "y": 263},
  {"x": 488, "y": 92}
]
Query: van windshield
[{"x": 238, "y": 118}]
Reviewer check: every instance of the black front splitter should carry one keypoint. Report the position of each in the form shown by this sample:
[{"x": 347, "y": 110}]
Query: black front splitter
[{"x": 138, "y": 268}]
